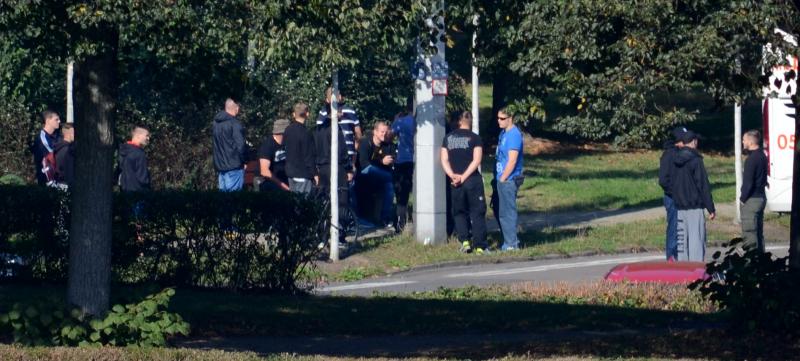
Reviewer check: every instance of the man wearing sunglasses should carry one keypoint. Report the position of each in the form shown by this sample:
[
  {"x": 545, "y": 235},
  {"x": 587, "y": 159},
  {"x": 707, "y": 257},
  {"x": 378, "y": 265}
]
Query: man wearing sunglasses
[{"x": 508, "y": 179}]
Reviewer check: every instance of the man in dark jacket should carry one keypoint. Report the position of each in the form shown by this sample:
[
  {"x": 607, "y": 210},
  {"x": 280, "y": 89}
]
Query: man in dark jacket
[
  {"x": 44, "y": 144},
  {"x": 134, "y": 175},
  {"x": 300, "y": 159},
  {"x": 230, "y": 148},
  {"x": 65, "y": 156},
  {"x": 665, "y": 174},
  {"x": 375, "y": 159},
  {"x": 322, "y": 146},
  {"x": 753, "y": 196},
  {"x": 691, "y": 191}
]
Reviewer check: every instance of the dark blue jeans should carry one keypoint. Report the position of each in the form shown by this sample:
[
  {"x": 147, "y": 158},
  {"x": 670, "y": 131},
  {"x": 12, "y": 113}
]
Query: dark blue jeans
[
  {"x": 672, "y": 228},
  {"x": 384, "y": 178},
  {"x": 504, "y": 206}
]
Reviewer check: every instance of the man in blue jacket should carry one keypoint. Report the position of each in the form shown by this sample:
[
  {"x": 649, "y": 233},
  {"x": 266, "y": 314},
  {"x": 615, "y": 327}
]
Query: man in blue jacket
[{"x": 230, "y": 148}]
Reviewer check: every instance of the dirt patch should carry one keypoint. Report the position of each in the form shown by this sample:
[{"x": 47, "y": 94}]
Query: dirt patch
[
  {"x": 542, "y": 146},
  {"x": 352, "y": 261}
]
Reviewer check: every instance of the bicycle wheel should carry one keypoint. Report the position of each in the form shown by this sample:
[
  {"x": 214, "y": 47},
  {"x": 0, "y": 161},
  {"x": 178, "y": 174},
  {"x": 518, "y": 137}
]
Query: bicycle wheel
[{"x": 349, "y": 224}]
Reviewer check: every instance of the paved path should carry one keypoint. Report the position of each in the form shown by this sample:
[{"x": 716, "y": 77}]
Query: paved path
[{"x": 571, "y": 270}]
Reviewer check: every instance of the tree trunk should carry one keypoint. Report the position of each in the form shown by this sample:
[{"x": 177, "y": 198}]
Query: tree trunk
[
  {"x": 794, "y": 233},
  {"x": 90, "y": 232}
]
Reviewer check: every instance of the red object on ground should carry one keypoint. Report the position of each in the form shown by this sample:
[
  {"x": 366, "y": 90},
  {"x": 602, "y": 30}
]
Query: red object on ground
[{"x": 658, "y": 271}]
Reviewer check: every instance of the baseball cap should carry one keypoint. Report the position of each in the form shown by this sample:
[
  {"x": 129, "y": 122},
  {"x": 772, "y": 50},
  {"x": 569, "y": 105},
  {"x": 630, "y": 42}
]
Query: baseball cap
[
  {"x": 690, "y": 136},
  {"x": 679, "y": 132},
  {"x": 279, "y": 126}
]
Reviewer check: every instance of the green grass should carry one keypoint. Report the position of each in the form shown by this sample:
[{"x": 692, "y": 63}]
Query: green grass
[{"x": 603, "y": 181}]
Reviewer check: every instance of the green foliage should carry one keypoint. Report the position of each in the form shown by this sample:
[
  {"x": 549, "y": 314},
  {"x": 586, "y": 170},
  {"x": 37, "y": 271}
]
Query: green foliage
[
  {"x": 758, "y": 290},
  {"x": 146, "y": 323},
  {"x": 241, "y": 240},
  {"x": 614, "y": 65}
]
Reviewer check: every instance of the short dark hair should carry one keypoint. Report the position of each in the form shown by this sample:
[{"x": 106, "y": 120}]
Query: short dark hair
[
  {"x": 67, "y": 126},
  {"x": 464, "y": 116},
  {"x": 47, "y": 114}
]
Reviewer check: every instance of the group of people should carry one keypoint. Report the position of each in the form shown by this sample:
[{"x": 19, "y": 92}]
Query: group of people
[{"x": 687, "y": 195}]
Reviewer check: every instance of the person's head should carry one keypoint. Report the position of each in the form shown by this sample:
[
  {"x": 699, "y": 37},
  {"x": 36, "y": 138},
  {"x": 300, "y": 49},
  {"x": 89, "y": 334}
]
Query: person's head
[
  {"x": 465, "y": 120},
  {"x": 140, "y": 136},
  {"x": 231, "y": 107},
  {"x": 329, "y": 95},
  {"x": 300, "y": 112},
  {"x": 51, "y": 121},
  {"x": 68, "y": 133},
  {"x": 751, "y": 140},
  {"x": 279, "y": 127},
  {"x": 677, "y": 135},
  {"x": 505, "y": 120},
  {"x": 689, "y": 139},
  {"x": 379, "y": 132}
]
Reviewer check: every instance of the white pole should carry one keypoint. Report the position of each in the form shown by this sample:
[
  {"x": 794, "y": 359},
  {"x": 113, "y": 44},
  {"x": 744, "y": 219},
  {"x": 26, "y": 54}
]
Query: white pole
[
  {"x": 334, "y": 242},
  {"x": 70, "y": 108},
  {"x": 475, "y": 83},
  {"x": 430, "y": 223},
  {"x": 737, "y": 141}
]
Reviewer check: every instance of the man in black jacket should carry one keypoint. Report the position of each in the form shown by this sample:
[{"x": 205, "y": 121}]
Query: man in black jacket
[
  {"x": 65, "y": 156},
  {"x": 691, "y": 191},
  {"x": 322, "y": 145},
  {"x": 134, "y": 175},
  {"x": 43, "y": 146},
  {"x": 230, "y": 148},
  {"x": 665, "y": 174},
  {"x": 753, "y": 196},
  {"x": 300, "y": 159},
  {"x": 375, "y": 160}
]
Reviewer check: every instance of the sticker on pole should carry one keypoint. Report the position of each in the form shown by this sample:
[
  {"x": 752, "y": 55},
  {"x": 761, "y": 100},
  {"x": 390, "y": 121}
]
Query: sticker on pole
[
  {"x": 439, "y": 86},
  {"x": 439, "y": 72}
]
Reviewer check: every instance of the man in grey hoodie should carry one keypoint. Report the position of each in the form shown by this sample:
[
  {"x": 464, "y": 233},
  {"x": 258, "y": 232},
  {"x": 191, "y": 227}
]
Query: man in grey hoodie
[{"x": 230, "y": 148}]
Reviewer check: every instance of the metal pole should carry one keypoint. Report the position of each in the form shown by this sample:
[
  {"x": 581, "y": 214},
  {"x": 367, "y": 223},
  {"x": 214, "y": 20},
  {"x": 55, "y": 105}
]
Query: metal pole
[
  {"x": 334, "y": 242},
  {"x": 475, "y": 83},
  {"x": 70, "y": 107},
  {"x": 430, "y": 223},
  {"x": 737, "y": 141}
]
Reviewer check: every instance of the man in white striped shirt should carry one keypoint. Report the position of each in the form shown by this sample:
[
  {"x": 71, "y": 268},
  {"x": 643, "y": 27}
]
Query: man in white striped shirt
[{"x": 348, "y": 122}]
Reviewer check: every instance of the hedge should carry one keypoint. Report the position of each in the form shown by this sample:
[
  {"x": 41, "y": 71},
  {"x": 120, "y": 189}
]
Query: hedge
[{"x": 207, "y": 239}]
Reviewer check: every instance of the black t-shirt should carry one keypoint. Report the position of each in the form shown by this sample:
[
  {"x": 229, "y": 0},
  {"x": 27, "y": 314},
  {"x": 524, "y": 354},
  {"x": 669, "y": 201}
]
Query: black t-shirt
[
  {"x": 276, "y": 154},
  {"x": 460, "y": 145}
]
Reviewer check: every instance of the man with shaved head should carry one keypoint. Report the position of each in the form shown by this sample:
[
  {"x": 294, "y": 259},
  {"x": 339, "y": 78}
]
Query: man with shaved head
[
  {"x": 134, "y": 175},
  {"x": 230, "y": 148},
  {"x": 753, "y": 198}
]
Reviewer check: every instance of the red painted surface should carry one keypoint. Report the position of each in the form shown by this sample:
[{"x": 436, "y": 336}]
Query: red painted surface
[
  {"x": 250, "y": 173},
  {"x": 658, "y": 271}
]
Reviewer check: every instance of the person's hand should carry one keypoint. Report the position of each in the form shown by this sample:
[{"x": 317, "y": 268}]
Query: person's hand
[
  {"x": 245, "y": 166},
  {"x": 387, "y": 160},
  {"x": 316, "y": 180},
  {"x": 456, "y": 180},
  {"x": 712, "y": 215},
  {"x": 349, "y": 177},
  {"x": 284, "y": 186}
]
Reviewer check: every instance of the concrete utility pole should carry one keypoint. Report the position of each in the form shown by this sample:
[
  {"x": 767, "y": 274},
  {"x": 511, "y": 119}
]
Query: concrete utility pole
[
  {"x": 70, "y": 108},
  {"x": 737, "y": 146},
  {"x": 430, "y": 222},
  {"x": 475, "y": 83},
  {"x": 334, "y": 242}
]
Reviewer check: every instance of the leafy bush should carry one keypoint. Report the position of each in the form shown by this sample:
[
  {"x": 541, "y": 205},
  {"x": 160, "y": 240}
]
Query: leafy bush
[
  {"x": 241, "y": 240},
  {"x": 50, "y": 323},
  {"x": 758, "y": 291}
]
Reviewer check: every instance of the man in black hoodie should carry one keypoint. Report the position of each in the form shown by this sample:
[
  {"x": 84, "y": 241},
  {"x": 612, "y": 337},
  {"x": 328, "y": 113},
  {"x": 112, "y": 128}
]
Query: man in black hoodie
[
  {"x": 665, "y": 173},
  {"x": 230, "y": 148},
  {"x": 134, "y": 175},
  {"x": 691, "y": 191},
  {"x": 753, "y": 196},
  {"x": 300, "y": 161},
  {"x": 65, "y": 156}
]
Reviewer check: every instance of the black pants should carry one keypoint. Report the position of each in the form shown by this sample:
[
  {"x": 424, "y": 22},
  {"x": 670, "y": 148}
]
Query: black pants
[
  {"x": 469, "y": 209},
  {"x": 403, "y": 183}
]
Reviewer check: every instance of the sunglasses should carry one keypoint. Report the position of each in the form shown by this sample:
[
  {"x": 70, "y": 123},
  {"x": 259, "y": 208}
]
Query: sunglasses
[{"x": 503, "y": 118}]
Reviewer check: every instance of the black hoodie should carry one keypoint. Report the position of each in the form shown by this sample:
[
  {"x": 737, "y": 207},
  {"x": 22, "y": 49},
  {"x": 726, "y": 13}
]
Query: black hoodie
[
  {"x": 300, "y": 158},
  {"x": 667, "y": 167},
  {"x": 230, "y": 149},
  {"x": 134, "y": 175},
  {"x": 690, "y": 186},
  {"x": 65, "y": 162}
]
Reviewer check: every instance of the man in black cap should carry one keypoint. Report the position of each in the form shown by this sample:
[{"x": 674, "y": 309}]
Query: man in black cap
[
  {"x": 272, "y": 159},
  {"x": 691, "y": 191},
  {"x": 665, "y": 175}
]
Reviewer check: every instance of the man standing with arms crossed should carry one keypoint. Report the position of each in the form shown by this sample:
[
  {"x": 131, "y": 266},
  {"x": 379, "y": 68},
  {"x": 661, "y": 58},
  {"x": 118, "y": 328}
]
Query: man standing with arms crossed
[
  {"x": 230, "y": 148},
  {"x": 508, "y": 179},
  {"x": 753, "y": 196},
  {"x": 300, "y": 158},
  {"x": 461, "y": 154}
]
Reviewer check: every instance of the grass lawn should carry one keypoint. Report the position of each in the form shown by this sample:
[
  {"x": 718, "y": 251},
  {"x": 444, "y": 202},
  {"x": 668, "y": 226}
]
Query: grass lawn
[
  {"x": 602, "y": 180},
  {"x": 391, "y": 254},
  {"x": 523, "y": 308}
]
